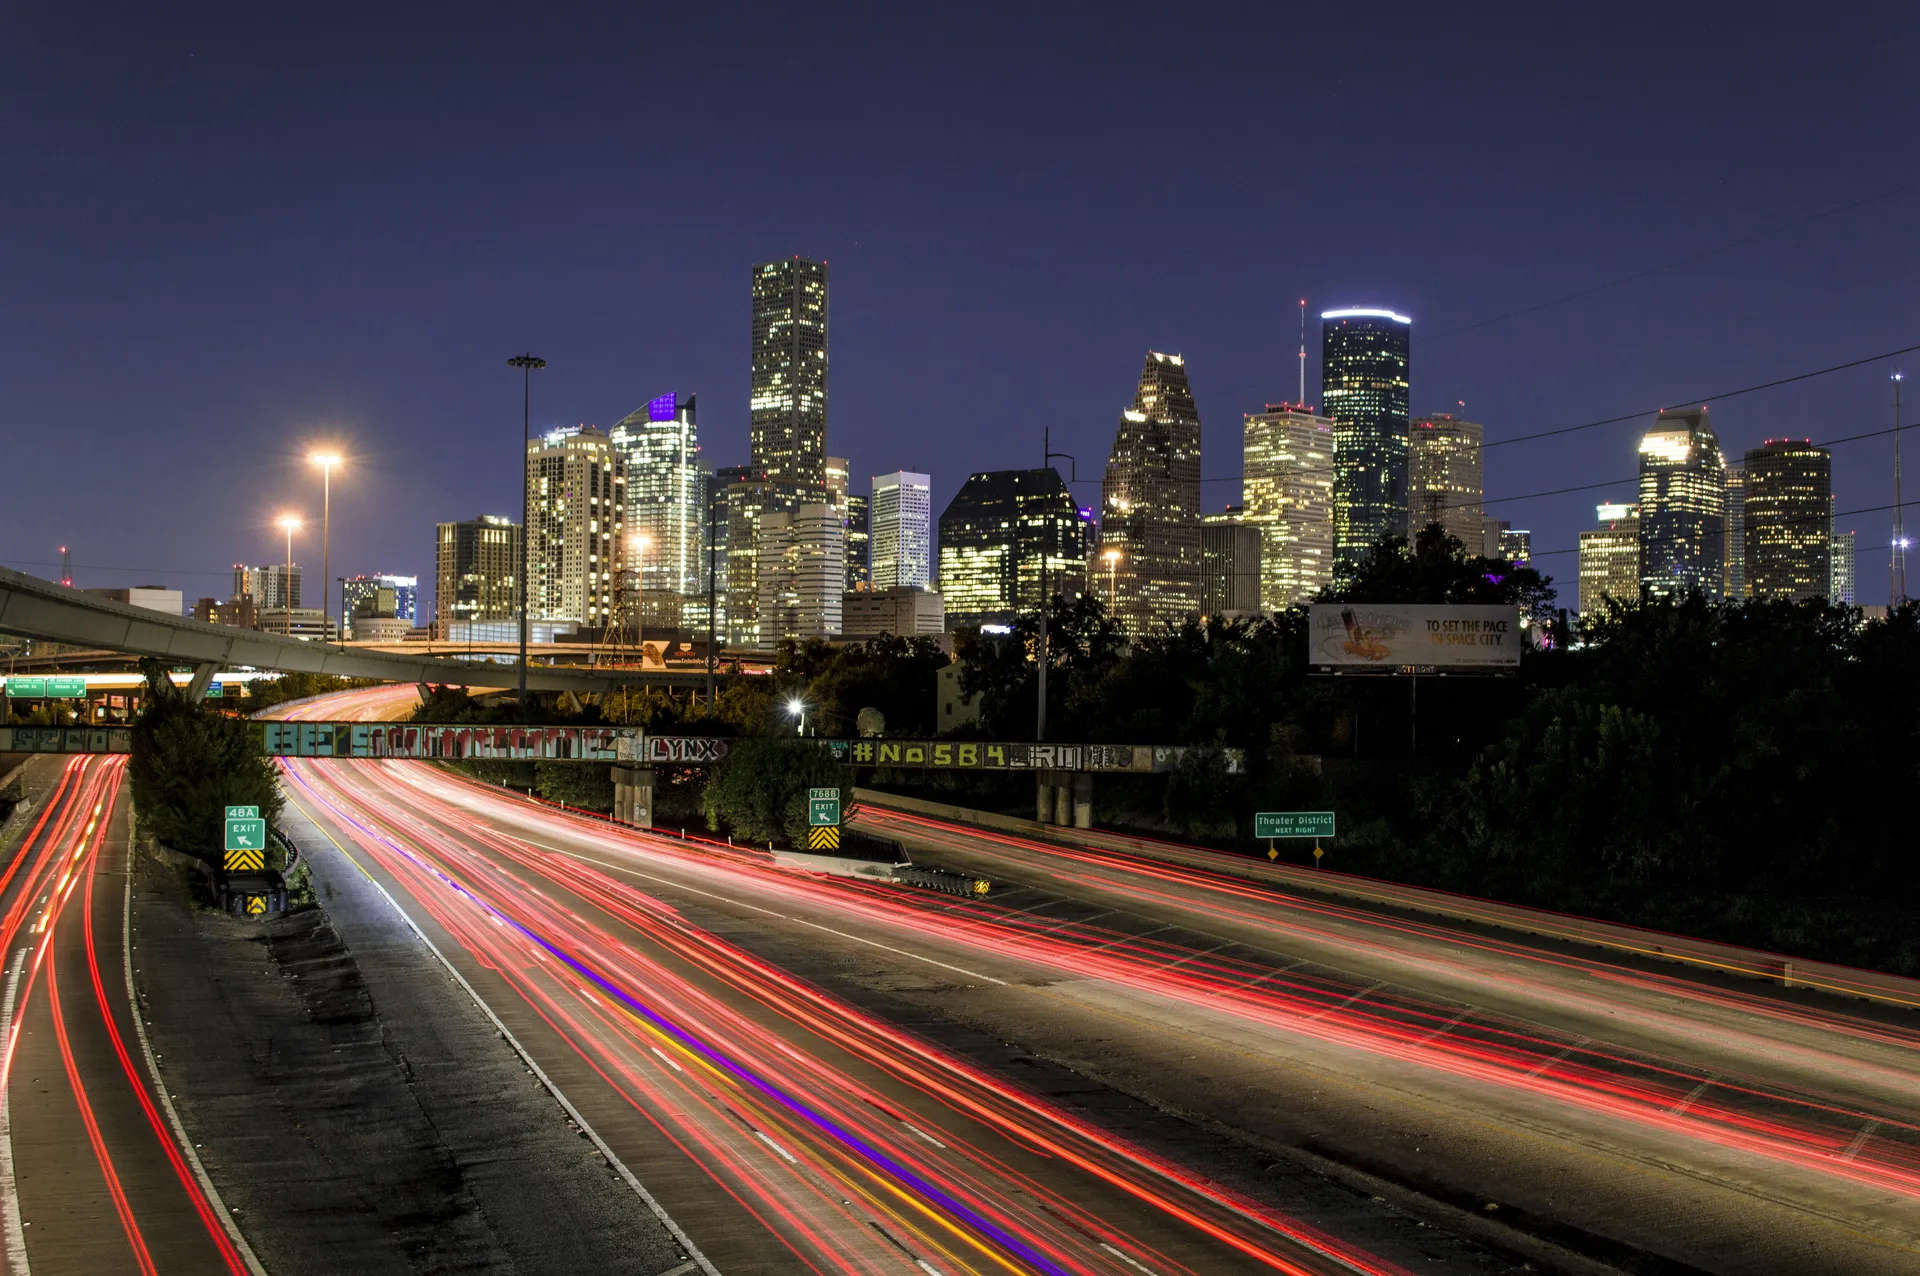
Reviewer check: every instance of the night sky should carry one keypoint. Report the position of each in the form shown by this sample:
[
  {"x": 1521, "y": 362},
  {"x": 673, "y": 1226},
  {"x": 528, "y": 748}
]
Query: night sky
[{"x": 230, "y": 232}]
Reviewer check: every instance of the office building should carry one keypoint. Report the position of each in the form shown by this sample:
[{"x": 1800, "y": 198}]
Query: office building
[
  {"x": 1734, "y": 585},
  {"x": 308, "y": 624},
  {"x": 1444, "y": 477},
  {"x": 859, "y": 541},
  {"x": 237, "y": 612},
  {"x": 900, "y": 539},
  {"x": 1229, "y": 565},
  {"x": 1789, "y": 520},
  {"x": 801, "y": 574},
  {"x": 1287, "y": 493},
  {"x": 1610, "y": 558},
  {"x": 168, "y": 602},
  {"x": 476, "y": 570},
  {"x": 1002, "y": 529},
  {"x": 1683, "y": 507},
  {"x": 576, "y": 502},
  {"x": 274, "y": 585},
  {"x": 874, "y": 613},
  {"x": 1840, "y": 570},
  {"x": 658, "y": 446},
  {"x": 382, "y": 597},
  {"x": 788, "y": 431},
  {"x": 1516, "y": 544},
  {"x": 1363, "y": 387},
  {"x": 1150, "y": 501}
]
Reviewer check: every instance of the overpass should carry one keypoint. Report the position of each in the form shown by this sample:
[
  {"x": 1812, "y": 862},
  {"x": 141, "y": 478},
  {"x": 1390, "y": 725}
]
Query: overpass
[{"x": 35, "y": 608}]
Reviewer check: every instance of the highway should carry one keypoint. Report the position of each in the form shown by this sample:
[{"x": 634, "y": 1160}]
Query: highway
[
  {"x": 1610, "y": 1106},
  {"x": 94, "y": 1177}
]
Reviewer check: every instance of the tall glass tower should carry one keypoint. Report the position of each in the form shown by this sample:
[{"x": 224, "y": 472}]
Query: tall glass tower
[
  {"x": 788, "y": 430},
  {"x": 1363, "y": 387},
  {"x": 659, "y": 444},
  {"x": 1789, "y": 520},
  {"x": 1683, "y": 507}
]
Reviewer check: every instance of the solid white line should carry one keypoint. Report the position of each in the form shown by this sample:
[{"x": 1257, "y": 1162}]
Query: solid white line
[
  {"x": 160, "y": 1086},
  {"x": 9, "y": 1189},
  {"x": 526, "y": 1057}
]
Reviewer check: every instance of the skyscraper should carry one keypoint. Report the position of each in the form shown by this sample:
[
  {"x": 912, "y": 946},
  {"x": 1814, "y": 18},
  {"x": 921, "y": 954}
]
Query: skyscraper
[
  {"x": 994, "y": 535},
  {"x": 1840, "y": 574},
  {"x": 738, "y": 501},
  {"x": 1683, "y": 507},
  {"x": 382, "y": 597},
  {"x": 475, "y": 566},
  {"x": 1287, "y": 493},
  {"x": 1610, "y": 558},
  {"x": 1229, "y": 565},
  {"x": 1516, "y": 545},
  {"x": 900, "y": 544},
  {"x": 1443, "y": 477},
  {"x": 1789, "y": 520},
  {"x": 859, "y": 543},
  {"x": 1150, "y": 500},
  {"x": 659, "y": 449},
  {"x": 1364, "y": 357},
  {"x": 788, "y": 434},
  {"x": 801, "y": 574},
  {"x": 1734, "y": 574},
  {"x": 270, "y": 586},
  {"x": 576, "y": 502}
]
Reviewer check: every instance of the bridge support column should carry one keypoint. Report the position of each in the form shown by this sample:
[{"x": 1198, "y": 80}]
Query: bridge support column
[
  {"x": 1063, "y": 798},
  {"x": 1083, "y": 799},
  {"x": 202, "y": 679},
  {"x": 1043, "y": 797},
  {"x": 633, "y": 795}
]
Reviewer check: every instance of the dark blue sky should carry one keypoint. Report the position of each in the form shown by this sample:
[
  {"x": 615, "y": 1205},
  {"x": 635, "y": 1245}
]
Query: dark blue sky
[{"x": 230, "y": 231}]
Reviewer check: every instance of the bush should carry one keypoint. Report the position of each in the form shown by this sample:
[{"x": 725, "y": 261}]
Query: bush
[
  {"x": 760, "y": 789},
  {"x": 585, "y": 786},
  {"x": 189, "y": 764}
]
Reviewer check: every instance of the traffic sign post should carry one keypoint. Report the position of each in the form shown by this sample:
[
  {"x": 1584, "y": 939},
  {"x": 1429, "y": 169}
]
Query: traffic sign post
[
  {"x": 823, "y": 807},
  {"x": 1271, "y": 824},
  {"x": 246, "y": 842},
  {"x": 21, "y": 687}
]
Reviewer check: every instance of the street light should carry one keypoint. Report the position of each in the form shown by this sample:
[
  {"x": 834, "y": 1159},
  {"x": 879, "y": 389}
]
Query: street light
[
  {"x": 527, "y": 363},
  {"x": 326, "y": 461},
  {"x": 798, "y": 708},
  {"x": 1112, "y": 559},
  {"x": 292, "y": 524}
]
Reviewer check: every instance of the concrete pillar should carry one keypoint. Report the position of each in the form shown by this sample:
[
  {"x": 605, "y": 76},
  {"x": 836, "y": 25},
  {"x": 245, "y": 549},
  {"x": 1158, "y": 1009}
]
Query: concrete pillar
[
  {"x": 202, "y": 679},
  {"x": 1063, "y": 799},
  {"x": 1083, "y": 799},
  {"x": 633, "y": 795},
  {"x": 1043, "y": 797}
]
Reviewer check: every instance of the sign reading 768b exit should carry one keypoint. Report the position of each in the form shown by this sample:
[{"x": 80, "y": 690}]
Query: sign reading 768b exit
[
  {"x": 823, "y": 807},
  {"x": 1271, "y": 824}
]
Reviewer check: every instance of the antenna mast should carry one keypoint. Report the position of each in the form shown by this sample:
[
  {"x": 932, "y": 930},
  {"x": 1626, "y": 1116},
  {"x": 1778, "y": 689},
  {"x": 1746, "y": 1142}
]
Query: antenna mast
[
  {"x": 1897, "y": 594},
  {"x": 1303, "y": 354},
  {"x": 66, "y": 567}
]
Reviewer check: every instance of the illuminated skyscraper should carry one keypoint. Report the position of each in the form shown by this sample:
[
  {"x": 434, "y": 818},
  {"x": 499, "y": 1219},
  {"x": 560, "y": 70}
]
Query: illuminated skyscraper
[
  {"x": 1683, "y": 507},
  {"x": 737, "y": 500},
  {"x": 659, "y": 448},
  {"x": 1610, "y": 558},
  {"x": 1363, "y": 387},
  {"x": 576, "y": 503},
  {"x": 475, "y": 563},
  {"x": 1287, "y": 493},
  {"x": 1516, "y": 545},
  {"x": 1735, "y": 583},
  {"x": 1229, "y": 565},
  {"x": 1151, "y": 500},
  {"x": 1789, "y": 520},
  {"x": 1840, "y": 573},
  {"x": 900, "y": 531},
  {"x": 788, "y": 434},
  {"x": 1443, "y": 477},
  {"x": 801, "y": 574},
  {"x": 994, "y": 535}
]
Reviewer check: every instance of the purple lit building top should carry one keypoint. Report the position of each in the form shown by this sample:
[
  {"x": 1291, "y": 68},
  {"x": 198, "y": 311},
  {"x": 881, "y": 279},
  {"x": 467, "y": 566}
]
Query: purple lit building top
[{"x": 662, "y": 408}]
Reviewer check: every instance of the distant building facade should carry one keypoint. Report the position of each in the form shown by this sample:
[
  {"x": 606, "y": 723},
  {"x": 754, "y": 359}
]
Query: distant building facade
[
  {"x": 1444, "y": 482},
  {"x": 801, "y": 574},
  {"x": 1734, "y": 583},
  {"x": 788, "y": 430},
  {"x": 1364, "y": 361},
  {"x": 739, "y": 500},
  {"x": 168, "y": 602},
  {"x": 381, "y": 597},
  {"x": 476, "y": 569},
  {"x": 1610, "y": 558},
  {"x": 1840, "y": 570},
  {"x": 900, "y": 544},
  {"x": 1150, "y": 500},
  {"x": 1683, "y": 507},
  {"x": 1789, "y": 520},
  {"x": 1287, "y": 494},
  {"x": 1002, "y": 528},
  {"x": 274, "y": 585},
  {"x": 658, "y": 446},
  {"x": 1516, "y": 545},
  {"x": 1229, "y": 565},
  {"x": 872, "y": 613},
  {"x": 576, "y": 502}
]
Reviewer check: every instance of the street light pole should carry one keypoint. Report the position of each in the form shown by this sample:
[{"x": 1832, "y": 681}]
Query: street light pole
[
  {"x": 526, "y": 363},
  {"x": 1047, "y": 454},
  {"x": 326, "y": 461},
  {"x": 290, "y": 524}
]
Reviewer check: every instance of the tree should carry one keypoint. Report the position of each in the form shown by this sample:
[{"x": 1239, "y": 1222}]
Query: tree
[
  {"x": 585, "y": 785},
  {"x": 189, "y": 764},
  {"x": 759, "y": 789},
  {"x": 1436, "y": 568}
]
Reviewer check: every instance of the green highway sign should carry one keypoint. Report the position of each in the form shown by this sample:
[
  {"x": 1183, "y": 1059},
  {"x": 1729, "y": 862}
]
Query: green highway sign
[
  {"x": 823, "y": 807},
  {"x": 67, "y": 688},
  {"x": 23, "y": 688},
  {"x": 243, "y": 812},
  {"x": 215, "y": 692},
  {"x": 1269, "y": 824},
  {"x": 247, "y": 834}
]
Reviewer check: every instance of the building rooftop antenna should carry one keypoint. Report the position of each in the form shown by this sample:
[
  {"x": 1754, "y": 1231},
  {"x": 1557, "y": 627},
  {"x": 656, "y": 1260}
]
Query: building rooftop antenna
[
  {"x": 1303, "y": 351},
  {"x": 66, "y": 567}
]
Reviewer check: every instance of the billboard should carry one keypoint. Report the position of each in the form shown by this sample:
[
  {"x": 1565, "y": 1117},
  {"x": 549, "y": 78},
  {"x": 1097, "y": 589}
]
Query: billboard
[{"x": 1423, "y": 638}]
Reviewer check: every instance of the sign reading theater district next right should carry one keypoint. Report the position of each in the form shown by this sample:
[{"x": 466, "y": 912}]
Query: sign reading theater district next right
[{"x": 1388, "y": 636}]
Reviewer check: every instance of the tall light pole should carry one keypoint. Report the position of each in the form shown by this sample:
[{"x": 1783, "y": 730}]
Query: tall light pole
[
  {"x": 1897, "y": 594},
  {"x": 326, "y": 461},
  {"x": 527, "y": 363},
  {"x": 1047, "y": 455},
  {"x": 640, "y": 543},
  {"x": 291, "y": 525}
]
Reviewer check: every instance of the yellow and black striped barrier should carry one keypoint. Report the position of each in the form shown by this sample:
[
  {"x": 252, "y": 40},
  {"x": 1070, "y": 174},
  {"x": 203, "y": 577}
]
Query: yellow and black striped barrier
[
  {"x": 248, "y": 861},
  {"x": 823, "y": 837}
]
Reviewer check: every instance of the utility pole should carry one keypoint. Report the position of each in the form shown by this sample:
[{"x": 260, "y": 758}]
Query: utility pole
[
  {"x": 1897, "y": 593},
  {"x": 526, "y": 363},
  {"x": 712, "y": 594},
  {"x": 1047, "y": 454}
]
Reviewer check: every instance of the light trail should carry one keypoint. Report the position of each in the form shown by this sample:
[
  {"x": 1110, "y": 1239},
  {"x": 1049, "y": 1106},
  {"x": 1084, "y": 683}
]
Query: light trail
[{"x": 740, "y": 1065}]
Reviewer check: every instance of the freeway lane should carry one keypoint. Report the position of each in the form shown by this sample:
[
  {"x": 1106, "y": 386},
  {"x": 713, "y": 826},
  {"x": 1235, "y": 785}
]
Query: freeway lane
[
  {"x": 835, "y": 1141},
  {"x": 1568, "y": 1133},
  {"x": 93, "y": 1178}
]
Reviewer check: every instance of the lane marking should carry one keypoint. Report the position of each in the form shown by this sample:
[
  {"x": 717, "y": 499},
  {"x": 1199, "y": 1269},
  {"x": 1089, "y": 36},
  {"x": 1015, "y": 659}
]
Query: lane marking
[
  {"x": 1859, "y": 1140},
  {"x": 9, "y": 1188},
  {"x": 533, "y": 1065}
]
